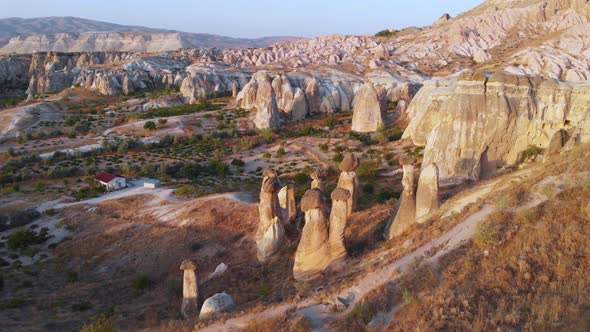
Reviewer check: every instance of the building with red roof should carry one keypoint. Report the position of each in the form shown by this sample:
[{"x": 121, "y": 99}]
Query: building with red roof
[{"x": 110, "y": 181}]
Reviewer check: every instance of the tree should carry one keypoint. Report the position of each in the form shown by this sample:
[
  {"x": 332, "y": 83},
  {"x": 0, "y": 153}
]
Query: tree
[
  {"x": 149, "y": 125},
  {"x": 162, "y": 122}
]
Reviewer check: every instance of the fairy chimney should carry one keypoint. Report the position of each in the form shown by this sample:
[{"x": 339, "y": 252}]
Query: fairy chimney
[
  {"x": 190, "y": 289},
  {"x": 349, "y": 180}
]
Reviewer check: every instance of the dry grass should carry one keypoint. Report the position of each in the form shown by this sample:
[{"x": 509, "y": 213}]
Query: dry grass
[
  {"x": 285, "y": 322},
  {"x": 534, "y": 278}
]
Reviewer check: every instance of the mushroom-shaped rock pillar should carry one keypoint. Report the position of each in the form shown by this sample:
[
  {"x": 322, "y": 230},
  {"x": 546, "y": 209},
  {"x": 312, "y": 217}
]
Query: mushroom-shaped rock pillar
[
  {"x": 406, "y": 212},
  {"x": 270, "y": 233},
  {"x": 190, "y": 289},
  {"x": 349, "y": 179},
  {"x": 338, "y": 218},
  {"x": 313, "y": 252}
]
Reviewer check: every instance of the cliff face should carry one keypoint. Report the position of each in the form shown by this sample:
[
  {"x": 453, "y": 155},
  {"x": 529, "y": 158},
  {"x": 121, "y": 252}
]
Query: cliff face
[
  {"x": 474, "y": 125},
  {"x": 14, "y": 76}
]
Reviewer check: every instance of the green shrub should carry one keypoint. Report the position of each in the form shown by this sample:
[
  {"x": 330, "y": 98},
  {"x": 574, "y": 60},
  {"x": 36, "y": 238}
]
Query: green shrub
[
  {"x": 387, "y": 194},
  {"x": 386, "y": 33},
  {"x": 238, "y": 162},
  {"x": 140, "y": 283},
  {"x": 338, "y": 157},
  {"x": 50, "y": 212},
  {"x": 368, "y": 188},
  {"x": 531, "y": 153},
  {"x": 264, "y": 289},
  {"x": 13, "y": 303},
  {"x": 25, "y": 237},
  {"x": 368, "y": 168},
  {"x": 149, "y": 125},
  {"x": 281, "y": 152},
  {"x": 101, "y": 324}
]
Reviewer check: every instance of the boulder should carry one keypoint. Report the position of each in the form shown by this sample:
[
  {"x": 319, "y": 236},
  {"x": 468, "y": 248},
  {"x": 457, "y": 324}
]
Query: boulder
[
  {"x": 367, "y": 116},
  {"x": 218, "y": 303},
  {"x": 427, "y": 198}
]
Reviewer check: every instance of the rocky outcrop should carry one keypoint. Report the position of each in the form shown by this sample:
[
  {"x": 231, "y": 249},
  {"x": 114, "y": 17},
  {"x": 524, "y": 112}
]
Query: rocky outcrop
[
  {"x": 406, "y": 211},
  {"x": 556, "y": 143},
  {"x": 218, "y": 303},
  {"x": 349, "y": 179},
  {"x": 338, "y": 218},
  {"x": 270, "y": 233},
  {"x": 14, "y": 76},
  {"x": 190, "y": 289},
  {"x": 475, "y": 125},
  {"x": 313, "y": 252},
  {"x": 427, "y": 198},
  {"x": 205, "y": 80},
  {"x": 367, "y": 116}
]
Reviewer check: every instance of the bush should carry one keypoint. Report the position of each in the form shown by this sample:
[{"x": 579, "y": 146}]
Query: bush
[
  {"x": 281, "y": 152},
  {"x": 140, "y": 283},
  {"x": 25, "y": 237},
  {"x": 368, "y": 188},
  {"x": 386, "y": 33},
  {"x": 531, "y": 153},
  {"x": 387, "y": 194},
  {"x": 338, "y": 157},
  {"x": 238, "y": 162},
  {"x": 149, "y": 125},
  {"x": 50, "y": 212},
  {"x": 368, "y": 168},
  {"x": 101, "y": 324}
]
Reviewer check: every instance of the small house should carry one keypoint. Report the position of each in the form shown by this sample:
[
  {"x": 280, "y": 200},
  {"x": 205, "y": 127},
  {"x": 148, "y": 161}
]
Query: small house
[
  {"x": 152, "y": 184},
  {"x": 110, "y": 181}
]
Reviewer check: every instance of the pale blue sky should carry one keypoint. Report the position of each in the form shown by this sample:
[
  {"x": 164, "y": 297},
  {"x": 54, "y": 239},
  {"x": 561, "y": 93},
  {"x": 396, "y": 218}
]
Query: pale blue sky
[{"x": 249, "y": 18}]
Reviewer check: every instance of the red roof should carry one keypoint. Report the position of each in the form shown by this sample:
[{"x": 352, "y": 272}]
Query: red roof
[{"x": 105, "y": 177}]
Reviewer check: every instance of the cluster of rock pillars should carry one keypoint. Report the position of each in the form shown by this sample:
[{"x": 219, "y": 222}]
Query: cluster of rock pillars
[{"x": 322, "y": 245}]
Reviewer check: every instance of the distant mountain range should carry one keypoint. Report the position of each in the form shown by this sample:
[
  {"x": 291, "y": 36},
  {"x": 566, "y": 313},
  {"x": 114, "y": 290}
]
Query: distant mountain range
[{"x": 72, "y": 34}]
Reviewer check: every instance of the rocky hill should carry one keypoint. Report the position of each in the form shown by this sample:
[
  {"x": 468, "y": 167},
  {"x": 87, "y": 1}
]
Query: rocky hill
[{"x": 71, "y": 34}]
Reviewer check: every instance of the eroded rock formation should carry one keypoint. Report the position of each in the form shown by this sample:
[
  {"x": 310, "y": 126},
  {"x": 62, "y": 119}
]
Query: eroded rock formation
[
  {"x": 367, "y": 116},
  {"x": 427, "y": 198},
  {"x": 349, "y": 179},
  {"x": 190, "y": 289},
  {"x": 406, "y": 211},
  {"x": 338, "y": 218},
  {"x": 316, "y": 180},
  {"x": 313, "y": 252},
  {"x": 475, "y": 125},
  {"x": 270, "y": 233},
  {"x": 287, "y": 203}
]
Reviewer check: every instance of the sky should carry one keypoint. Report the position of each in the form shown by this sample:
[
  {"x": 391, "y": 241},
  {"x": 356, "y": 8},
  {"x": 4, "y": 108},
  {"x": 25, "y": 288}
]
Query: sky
[{"x": 249, "y": 18}]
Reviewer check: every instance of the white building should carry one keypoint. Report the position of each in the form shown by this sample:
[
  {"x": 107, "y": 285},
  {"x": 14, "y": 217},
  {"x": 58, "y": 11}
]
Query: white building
[{"x": 110, "y": 181}]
